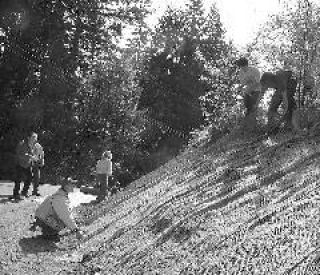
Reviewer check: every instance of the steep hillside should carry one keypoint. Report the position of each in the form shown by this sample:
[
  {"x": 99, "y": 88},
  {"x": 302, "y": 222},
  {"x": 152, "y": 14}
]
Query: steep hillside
[{"x": 240, "y": 206}]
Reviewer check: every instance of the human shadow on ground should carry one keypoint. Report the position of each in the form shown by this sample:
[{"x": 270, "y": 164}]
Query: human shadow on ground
[{"x": 37, "y": 244}]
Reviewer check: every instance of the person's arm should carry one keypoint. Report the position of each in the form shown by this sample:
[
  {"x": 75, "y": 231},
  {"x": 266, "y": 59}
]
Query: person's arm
[
  {"x": 109, "y": 168},
  {"x": 98, "y": 167},
  {"x": 61, "y": 208},
  {"x": 240, "y": 87},
  {"x": 41, "y": 160},
  {"x": 243, "y": 82},
  {"x": 252, "y": 81},
  {"x": 22, "y": 154}
]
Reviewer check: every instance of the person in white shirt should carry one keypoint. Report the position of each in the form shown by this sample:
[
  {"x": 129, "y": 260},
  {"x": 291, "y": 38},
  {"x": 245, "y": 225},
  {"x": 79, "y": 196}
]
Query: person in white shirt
[
  {"x": 103, "y": 171},
  {"x": 38, "y": 163},
  {"x": 249, "y": 82},
  {"x": 54, "y": 214}
]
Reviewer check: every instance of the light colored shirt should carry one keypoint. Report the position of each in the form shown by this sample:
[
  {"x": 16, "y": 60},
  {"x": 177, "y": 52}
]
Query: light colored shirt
[
  {"x": 57, "y": 205},
  {"x": 104, "y": 166},
  {"x": 250, "y": 79},
  {"x": 38, "y": 153}
]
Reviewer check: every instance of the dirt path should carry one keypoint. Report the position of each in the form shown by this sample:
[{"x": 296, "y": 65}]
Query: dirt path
[{"x": 23, "y": 251}]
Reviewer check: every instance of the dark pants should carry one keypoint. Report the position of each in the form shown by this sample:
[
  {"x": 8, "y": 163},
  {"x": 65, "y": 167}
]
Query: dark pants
[
  {"x": 103, "y": 185},
  {"x": 25, "y": 175},
  {"x": 250, "y": 102},
  {"x": 113, "y": 185},
  {"x": 36, "y": 178},
  {"x": 46, "y": 230}
]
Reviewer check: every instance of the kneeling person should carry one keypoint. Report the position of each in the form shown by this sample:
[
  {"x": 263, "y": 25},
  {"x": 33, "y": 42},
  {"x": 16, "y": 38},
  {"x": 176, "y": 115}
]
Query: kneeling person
[{"x": 54, "y": 215}]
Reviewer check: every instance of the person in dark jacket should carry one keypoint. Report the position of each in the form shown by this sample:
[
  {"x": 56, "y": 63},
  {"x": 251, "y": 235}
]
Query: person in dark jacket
[{"x": 24, "y": 161}]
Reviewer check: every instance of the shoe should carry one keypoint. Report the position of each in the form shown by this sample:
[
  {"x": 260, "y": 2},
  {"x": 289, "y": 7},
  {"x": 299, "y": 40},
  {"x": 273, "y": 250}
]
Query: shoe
[
  {"x": 100, "y": 198},
  {"x": 15, "y": 197},
  {"x": 25, "y": 194},
  {"x": 53, "y": 238},
  {"x": 36, "y": 194},
  {"x": 33, "y": 227}
]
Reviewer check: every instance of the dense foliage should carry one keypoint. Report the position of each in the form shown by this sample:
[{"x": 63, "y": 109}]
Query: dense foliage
[
  {"x": 189, "y": 77},
  {"x": 61, "y": 76},
  {"x": 66, "y": 73},
  {"x": 290, "y": 41}
]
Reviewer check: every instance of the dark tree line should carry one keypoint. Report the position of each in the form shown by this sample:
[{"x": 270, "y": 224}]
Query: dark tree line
[{"x": 64, "y": 75}]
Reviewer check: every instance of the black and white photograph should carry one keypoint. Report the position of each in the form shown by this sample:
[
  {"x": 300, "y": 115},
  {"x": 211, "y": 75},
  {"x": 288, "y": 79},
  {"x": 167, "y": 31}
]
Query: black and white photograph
[{"x": 159, "y": 137}]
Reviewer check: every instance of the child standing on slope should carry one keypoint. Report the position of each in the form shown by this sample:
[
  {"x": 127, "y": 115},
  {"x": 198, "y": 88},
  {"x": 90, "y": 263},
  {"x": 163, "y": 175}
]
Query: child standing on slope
[{"x": 103, "y": 171}]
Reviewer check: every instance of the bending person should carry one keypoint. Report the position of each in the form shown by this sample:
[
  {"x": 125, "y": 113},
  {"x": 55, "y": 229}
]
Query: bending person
[
  {"x": 285, "y": 87},
  {"x": 54, "y": 215}
]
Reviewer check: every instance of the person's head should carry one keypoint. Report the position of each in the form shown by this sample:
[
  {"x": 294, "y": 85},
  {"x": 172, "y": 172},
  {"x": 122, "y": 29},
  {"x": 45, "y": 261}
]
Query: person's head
[
  {"x": 68, "y": 184},
  {"x": 107, "y": 154},
  {"x": 242, "y": 62},
  {"x": 268, "y": 80},
  {"x": 32, "y": 137}
]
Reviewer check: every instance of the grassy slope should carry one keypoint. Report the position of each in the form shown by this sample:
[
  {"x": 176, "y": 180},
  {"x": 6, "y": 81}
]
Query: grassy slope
[{"x": 191, "y": 216}]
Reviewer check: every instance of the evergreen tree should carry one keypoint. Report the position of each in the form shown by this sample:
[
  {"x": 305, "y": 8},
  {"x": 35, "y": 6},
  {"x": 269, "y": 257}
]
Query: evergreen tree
[
  {"x": 172, "y": 81},
  {"x": 48, "y": 51},
  {"x": 190, "y": 74},
  {"x": 220, "y": 103}
]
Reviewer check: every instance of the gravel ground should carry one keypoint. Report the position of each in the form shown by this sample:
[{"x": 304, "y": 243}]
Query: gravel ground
[
  {"x": 23, "y": 251},
  {"x": 247, "y": 207}
]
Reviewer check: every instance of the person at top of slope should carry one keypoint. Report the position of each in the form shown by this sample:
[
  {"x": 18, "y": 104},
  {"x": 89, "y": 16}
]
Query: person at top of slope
[{"x": 250, "y": 84}]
